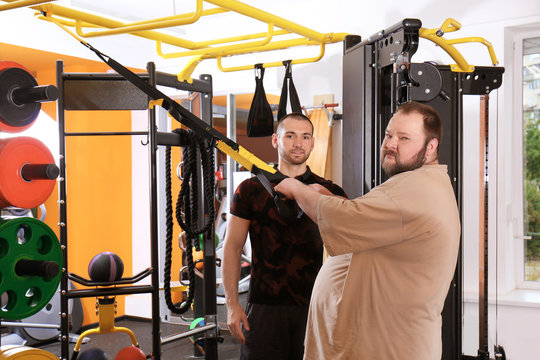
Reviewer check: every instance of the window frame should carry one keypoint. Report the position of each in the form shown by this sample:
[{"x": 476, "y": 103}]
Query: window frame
[{"x": 517, "y": 111}]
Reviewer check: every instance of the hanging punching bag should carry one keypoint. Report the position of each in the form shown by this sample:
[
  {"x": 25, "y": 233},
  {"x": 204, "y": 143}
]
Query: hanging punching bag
[
  {"x": 260, "y": 119},
  {"x": 288, "y": 83}
]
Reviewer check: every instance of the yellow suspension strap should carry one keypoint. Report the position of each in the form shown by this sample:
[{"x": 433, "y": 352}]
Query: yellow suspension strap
[
  {"x": 192, "y": 122},
  {"x": 264, "y": 172}
]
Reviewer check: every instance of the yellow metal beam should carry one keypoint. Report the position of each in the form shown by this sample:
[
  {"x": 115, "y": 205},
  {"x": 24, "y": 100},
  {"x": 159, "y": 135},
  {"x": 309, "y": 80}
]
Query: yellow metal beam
[
  {"x": 240, "y": 38},
  {"x": 219, "y": 50},
  {"x": 65, "y": 22},
  {"x": 266, "y": 17},
  {"x": 185, "y": 74},
  {"x": 201, "y": 50},
  {"x": 21, "y": 3},
  {"x": 450, "y": 25},
  {"x": 159, "y": 23},
  {"x": 100, "y": 21},
  {"x": 276, "y": 45},
  {"x": 272, "y": 64}
]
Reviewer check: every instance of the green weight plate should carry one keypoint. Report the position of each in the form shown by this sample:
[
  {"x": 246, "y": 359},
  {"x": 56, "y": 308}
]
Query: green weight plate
[
  {"x": 26, "y": 239},
  {"x": 201, "y": 240}
]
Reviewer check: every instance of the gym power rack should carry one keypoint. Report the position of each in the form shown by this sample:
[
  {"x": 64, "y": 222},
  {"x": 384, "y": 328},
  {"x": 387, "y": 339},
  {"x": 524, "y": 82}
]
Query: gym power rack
[{"x": 109, "y": 91}]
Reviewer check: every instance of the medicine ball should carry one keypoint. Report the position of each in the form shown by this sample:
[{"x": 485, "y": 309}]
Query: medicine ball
[
  {"x": 130, "y": 353},
  {"x": 92, "y": 354},
  {"x": 106, "y": 267}
]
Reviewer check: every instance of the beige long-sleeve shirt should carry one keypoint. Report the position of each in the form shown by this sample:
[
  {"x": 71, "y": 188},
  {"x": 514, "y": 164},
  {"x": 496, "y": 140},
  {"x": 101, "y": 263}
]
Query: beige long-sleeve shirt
[{"x": 393, "y": 254}]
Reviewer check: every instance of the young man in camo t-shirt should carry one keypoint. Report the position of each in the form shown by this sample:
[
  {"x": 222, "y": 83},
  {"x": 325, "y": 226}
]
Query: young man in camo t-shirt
[{"x": 286, "y": 256}]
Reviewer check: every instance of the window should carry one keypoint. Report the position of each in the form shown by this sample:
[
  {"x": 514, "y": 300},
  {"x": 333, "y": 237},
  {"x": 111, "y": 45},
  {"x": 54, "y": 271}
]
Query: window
[{"x": 530, "y": 54}]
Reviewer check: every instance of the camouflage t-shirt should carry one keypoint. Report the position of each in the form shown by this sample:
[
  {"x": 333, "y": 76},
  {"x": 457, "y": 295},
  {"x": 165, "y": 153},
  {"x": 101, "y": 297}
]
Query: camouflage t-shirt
[{"x": 286, "y": 257}]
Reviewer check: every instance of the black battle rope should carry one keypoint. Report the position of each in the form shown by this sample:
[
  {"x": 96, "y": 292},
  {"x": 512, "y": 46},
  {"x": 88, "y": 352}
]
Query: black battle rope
[{"x": 187, "y": 207}]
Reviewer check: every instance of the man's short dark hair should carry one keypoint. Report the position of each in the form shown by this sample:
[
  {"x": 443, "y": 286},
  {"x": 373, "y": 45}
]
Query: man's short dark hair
[
  {"x": 432, "y": 120},
  {"x": 296, "y": 116}
]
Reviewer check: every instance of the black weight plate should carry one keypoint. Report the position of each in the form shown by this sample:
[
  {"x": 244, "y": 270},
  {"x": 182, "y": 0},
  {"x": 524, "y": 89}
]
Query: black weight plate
[{"x": 11, "y": 113}]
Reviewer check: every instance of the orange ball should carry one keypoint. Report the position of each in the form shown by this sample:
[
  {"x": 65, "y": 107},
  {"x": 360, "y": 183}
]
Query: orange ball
[
  {"x": 130, "y": 353},
  {"x": 198, "y": 255}
]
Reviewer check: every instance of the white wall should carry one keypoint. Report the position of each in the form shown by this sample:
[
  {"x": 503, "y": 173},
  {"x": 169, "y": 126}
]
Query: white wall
[{"x": 518, "y": 313}]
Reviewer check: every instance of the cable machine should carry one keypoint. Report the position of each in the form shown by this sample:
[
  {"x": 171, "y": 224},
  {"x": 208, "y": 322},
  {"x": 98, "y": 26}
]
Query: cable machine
[
  {"x": 108, "y": 91},
  {"x": 378, "y": 76}
]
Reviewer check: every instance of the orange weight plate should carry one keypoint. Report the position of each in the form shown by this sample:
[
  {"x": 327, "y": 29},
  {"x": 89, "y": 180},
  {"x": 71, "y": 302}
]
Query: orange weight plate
[
  {"x": 8, "y": 64},
  {"x": 14, "y": 189}
]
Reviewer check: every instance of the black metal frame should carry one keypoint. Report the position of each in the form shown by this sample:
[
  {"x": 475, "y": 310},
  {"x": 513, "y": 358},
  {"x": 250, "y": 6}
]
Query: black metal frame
[
  {"x": 378, "y": 76},
  {"x": 106, "y": 91}
]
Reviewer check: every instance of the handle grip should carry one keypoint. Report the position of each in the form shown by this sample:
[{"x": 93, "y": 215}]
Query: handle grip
[
  {"x": 34, "y": 94},
  {"x": 31, "y": 172},
  {"x": 43, "y": 268},
  {"x": 286, "y": 212}
]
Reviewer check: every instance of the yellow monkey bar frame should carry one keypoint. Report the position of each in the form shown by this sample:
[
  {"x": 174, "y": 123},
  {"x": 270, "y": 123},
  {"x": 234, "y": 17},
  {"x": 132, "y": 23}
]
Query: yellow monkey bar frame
[
  {"x": 81, "y": 21},
  {"x": 451, "y": 25},
  {"x": 230, "y": 46}
]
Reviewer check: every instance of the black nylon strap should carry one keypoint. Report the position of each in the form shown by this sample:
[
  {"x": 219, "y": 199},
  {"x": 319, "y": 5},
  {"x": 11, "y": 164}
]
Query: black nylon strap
[
  {"x": 260, "y": 121},
  {"x": 176, "y": 110},
  {"x": 284, "y": 211},
  {"x": 193, "y": 122},
  {"x": 288, "y": 84}
]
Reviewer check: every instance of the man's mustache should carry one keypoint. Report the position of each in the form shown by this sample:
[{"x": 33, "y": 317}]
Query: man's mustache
[{"x": 390, "y": 152}]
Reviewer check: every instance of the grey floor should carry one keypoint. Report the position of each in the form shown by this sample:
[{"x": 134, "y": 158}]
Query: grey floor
[{"x": 177, "y": 350}]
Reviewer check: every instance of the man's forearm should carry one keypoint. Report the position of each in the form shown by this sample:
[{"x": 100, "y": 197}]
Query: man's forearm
[
  {"x": 307, "y": 198},
  {"x": 231, "y": 275}
]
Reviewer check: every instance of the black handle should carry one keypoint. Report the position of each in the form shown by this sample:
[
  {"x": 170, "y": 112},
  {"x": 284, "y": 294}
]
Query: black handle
[
  {"x": 43, "y": 268},
  {"x": 285, "y": 211},
  {"x": 31, "y": 172},
  {"x": 34, "y": 94}
]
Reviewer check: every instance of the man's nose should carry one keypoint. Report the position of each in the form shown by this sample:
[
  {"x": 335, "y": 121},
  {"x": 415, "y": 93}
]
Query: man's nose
[{"x": 391, "y": 143}]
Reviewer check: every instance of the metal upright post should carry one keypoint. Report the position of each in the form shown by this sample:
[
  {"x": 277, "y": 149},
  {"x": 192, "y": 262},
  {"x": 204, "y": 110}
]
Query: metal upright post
[
  {"x": 209, "y": 291},
  {"x": 483, "y": 350},
  {"x": 154, "y": 235},
  {"x": 62, "y": 206},
  {"x": 231, "y": 134}
]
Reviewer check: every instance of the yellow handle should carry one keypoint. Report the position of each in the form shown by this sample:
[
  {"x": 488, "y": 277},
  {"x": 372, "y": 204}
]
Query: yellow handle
[
  {"x": 245, "y": 158},
  {"x": 272, "y": 64},
  {"x": 450, "y": 25}
]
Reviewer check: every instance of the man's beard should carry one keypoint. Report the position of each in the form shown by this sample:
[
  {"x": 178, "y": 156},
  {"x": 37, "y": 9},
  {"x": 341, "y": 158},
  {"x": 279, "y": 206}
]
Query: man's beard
[
  {"x": 399, "y": 167},
  {"x": 292, "y": 160}
]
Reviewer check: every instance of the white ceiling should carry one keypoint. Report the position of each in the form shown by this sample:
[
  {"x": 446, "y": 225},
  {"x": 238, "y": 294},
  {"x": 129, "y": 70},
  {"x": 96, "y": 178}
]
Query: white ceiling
[{"x": 135, "y": 10}]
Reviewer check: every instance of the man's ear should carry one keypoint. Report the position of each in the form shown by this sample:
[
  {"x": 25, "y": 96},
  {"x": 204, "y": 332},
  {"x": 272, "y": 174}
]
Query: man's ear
[
  {"x": 431, "y": 150},
  {"x": 274, "y": 140}
]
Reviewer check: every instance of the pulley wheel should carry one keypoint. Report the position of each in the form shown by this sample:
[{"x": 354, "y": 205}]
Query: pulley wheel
[
  {"x": 30, "y": 267},
  {"x": 16, "y": 117},
  {"x": 16, "y": 352},
  {"x": 15, "y": 190}
]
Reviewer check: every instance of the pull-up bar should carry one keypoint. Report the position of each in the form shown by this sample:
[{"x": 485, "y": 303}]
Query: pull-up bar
[
  {"x": 450, "y": 25},
  {"x": 200, "y": 50}
]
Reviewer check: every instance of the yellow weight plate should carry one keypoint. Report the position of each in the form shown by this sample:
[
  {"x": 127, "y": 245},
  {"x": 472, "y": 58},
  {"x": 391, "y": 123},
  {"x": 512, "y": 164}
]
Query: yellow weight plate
[{"x": 15, "y": 352}]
